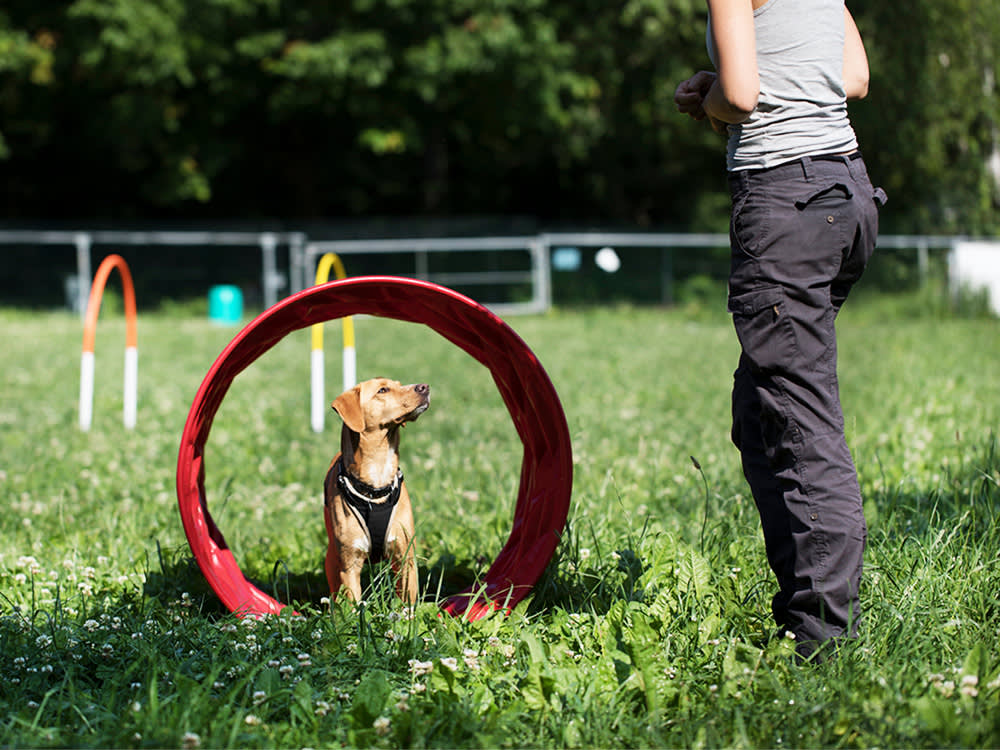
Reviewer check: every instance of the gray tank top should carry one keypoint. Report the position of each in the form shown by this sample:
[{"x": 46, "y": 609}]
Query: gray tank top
[{"x": 802, "y": 108}]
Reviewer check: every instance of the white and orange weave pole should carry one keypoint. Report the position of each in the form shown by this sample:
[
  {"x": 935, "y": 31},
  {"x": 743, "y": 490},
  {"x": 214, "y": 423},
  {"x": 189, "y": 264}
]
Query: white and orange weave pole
[
  {"x": 89, "y": 333},
  {"x": 350, "y": 362}
]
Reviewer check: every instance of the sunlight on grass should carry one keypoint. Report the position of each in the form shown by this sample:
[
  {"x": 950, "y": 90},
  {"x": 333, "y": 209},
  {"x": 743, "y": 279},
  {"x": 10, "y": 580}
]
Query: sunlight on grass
[{"x": 650, "y": 626}]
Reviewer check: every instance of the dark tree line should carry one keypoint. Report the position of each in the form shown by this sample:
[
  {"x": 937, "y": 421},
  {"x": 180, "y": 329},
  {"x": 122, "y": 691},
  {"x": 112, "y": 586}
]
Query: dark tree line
[{"x": 115, "y": 110}]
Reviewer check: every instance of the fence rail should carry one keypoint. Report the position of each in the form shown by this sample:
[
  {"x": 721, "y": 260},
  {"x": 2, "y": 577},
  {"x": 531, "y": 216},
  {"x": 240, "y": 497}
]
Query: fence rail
[{"x": 304, "y": 252}]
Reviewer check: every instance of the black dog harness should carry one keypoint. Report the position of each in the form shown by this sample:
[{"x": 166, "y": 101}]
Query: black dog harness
[{"x": 372, "y": 506}]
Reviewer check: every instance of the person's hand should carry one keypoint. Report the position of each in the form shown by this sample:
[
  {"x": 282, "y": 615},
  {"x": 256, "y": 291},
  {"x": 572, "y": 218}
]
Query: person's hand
[
  {"x": 720, "y": 127},
  {"x": 690, "y": 94}
]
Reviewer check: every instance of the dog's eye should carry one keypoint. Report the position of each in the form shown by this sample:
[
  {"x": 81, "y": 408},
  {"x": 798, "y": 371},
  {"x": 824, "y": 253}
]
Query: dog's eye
[{"x": 383, "y": 389}]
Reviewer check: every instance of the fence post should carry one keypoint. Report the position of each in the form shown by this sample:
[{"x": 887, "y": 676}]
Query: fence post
[{"x": 82, "y": 242}]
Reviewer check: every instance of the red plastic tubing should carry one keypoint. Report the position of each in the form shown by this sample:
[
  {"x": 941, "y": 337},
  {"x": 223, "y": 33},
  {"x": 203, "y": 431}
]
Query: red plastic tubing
[{"x": 546, "y": 475}]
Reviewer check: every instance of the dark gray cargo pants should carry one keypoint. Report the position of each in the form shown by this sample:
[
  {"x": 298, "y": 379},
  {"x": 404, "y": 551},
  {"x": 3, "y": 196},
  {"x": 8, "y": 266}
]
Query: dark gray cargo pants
[{"x": 801, "y": 234}]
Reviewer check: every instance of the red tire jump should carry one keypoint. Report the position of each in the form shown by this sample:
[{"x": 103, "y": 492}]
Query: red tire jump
[{"x": 546, "y": 470}]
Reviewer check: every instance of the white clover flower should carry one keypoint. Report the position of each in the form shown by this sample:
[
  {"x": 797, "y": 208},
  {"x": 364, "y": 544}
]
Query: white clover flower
[
  {"x": 382, "y": 726},
  {"x": 420, "y": 668},
  {"x": 259, "y": 697},
  {"x": 471, "y": 658},
  {"x": 970, "y": 686},
  {"x": 251, "y": 720},
  {"x": 449, "y": 662},
  {"x": 946, "y": 688},
  {"x": 322, "y": 708}
]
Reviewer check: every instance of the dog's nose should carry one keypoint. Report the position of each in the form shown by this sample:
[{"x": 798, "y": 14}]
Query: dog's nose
[{"x": 422, "y": 388}]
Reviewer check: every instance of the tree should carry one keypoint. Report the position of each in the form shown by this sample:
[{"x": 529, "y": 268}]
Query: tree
[
  {"x": 930, "y": 124},
  {"x": 559, "y": 110}
]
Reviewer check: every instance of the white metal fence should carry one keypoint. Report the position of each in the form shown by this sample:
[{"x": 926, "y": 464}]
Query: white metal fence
[
  {"x": 535, "y": 272},
  {"x": 303, "y": 254},
  {"x": 273, "y": 281}
]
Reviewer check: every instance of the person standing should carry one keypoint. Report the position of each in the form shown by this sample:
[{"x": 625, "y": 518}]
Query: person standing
[{"x": 803, "y": 227}]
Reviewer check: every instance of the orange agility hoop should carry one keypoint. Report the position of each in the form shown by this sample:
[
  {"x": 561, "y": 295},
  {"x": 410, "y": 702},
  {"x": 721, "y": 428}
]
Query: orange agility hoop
[
  {"x": 349, "y": 357},
  {"x": 546, "y": 469},
  {"x": 89, "y": 333}
]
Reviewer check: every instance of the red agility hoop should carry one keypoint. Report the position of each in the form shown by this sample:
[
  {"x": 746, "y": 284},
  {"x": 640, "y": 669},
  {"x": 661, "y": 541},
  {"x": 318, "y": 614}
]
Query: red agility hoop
[{"x": 546, "y": 469}]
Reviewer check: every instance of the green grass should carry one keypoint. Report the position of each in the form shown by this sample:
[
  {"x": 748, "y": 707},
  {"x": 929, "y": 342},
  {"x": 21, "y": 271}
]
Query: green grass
[{"x": 649, "y": 628}]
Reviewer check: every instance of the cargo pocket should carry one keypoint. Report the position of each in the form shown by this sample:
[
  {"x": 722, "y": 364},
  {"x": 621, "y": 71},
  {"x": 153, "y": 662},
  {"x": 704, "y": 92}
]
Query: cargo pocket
[
  {"x": 748, "y": 225},
  {"x": 764, "y": 327},
  {"x": 837, "y": 189}
]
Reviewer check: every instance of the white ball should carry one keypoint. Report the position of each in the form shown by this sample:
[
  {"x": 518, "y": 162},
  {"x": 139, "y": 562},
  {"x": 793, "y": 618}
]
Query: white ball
[{"x": 607, "y": 260}]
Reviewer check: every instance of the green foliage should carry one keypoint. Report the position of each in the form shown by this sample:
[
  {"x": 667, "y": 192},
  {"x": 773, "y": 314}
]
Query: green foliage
[
  {"x": 931, "y": 122},
  {"x": 260, "y": 108}
]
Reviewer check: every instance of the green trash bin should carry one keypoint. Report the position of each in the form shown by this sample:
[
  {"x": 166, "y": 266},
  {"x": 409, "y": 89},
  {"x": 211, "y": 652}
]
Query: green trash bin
[{"x": 225, "y": 304}]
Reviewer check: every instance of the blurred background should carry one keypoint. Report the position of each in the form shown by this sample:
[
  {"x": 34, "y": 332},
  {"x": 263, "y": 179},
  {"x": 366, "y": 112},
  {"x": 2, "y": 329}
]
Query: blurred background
[{"x": 285, "y": 124}]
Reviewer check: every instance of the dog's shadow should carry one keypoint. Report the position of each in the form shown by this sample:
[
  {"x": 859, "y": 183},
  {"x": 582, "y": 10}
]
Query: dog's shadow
[{"x": 180, "y": 579}]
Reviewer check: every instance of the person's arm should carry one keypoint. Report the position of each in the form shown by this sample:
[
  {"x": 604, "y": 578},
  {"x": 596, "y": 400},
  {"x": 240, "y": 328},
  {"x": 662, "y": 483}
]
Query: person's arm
[
  {"x": 855, "y": 60},
  {"x": 733, "y": 95}
]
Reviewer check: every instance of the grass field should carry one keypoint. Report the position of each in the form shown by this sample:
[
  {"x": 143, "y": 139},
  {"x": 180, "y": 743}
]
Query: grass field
[{"x": 649, "y": 628}]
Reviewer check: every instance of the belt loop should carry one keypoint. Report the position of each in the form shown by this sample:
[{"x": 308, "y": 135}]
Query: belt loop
[
  {"x": 807, "y": 167},
  {"x": 855, "y": 165}
]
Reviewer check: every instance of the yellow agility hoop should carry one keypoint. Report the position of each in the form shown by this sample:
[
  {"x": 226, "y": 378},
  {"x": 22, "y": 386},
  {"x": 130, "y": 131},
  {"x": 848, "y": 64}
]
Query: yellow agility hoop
[{"x": 350, "y": 362}]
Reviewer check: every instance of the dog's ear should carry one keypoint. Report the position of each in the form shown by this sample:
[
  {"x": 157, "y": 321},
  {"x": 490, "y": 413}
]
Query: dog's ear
[{"x": 348, "y": 406}]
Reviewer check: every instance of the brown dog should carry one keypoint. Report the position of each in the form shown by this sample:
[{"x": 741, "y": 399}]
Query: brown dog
[{"x": 367, "y": 508}]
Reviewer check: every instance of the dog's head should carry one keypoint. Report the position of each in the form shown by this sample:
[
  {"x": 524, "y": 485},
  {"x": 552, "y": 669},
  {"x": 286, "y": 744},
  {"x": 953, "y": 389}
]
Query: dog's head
[{"x": 381, "y": 404}]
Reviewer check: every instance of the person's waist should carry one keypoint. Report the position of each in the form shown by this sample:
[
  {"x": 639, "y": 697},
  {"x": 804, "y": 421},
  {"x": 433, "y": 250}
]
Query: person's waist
[{"x": 798, "y": 167}]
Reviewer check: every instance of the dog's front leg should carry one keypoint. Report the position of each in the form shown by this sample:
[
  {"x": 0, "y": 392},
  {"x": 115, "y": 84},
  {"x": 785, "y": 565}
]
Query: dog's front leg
[
  {"x": 343, "y": 563},
  {"x": 405, "y": 569},
  {"x": 401, "y": 549},
  {"x": 352, "y": 560}
]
